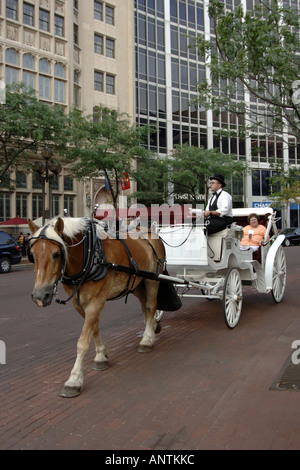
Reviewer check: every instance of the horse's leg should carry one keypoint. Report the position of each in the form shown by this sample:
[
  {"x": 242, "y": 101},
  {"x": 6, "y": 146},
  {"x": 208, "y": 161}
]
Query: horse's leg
[
  {"x": 101, "y": 358},
  {"x": 148, "y": 298},
  {"x": 73, "y": 385}
]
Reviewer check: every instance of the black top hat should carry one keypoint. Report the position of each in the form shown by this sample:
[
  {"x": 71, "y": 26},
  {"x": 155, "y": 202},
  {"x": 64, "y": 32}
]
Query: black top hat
[{"x": 219, "y": 178}]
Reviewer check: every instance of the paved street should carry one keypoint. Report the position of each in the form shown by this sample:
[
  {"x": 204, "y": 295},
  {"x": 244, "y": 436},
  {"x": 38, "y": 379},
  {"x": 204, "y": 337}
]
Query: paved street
[{"x": 203, "y": 386}]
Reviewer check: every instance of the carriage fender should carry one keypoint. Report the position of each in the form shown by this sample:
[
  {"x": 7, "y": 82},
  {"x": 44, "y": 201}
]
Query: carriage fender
[{"x": 270, "y": 261}]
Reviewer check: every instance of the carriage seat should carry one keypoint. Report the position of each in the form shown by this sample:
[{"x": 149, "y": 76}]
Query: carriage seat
[{"x": 214, "y": 243}]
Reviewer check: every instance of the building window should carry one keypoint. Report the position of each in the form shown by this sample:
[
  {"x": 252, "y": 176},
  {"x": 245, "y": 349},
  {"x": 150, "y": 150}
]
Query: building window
[
  {"x": 12, "y": 9},
  {"x": 98, "y": 44},
  {"x": 76, "y": 88},
  {"x": 110, "y": 84},
  {"x": 44, "y": 20},
  {"x": 37, "y": 206},
  {"x": 55, "y": 205},
  {"x": 44, "y": 66},
  {"x": 4, "y": 207},
  {"x": 11, "y": 75},
  {"x": 29, "y": 79},
  {"x": 98, "y": 11},
  {"x": 28, "y": 62},
  {"x": 109, "y": 15},
  {"x": 98, "y": 81},
  {"x": 69, "y": 205},
  {"x": 28, "y": 14},
  {"x": 59, "y": 70},
  {"x": 68, "y": 183},
  {"x": 77, "y": 77},
  {"x": 44, "y": 87},
  {"x": 59, "y": 25},
  {"x": 59, "y": 90},
  {"x": 21, "y": 205},
  {"x": 44, "y": 82},
  {"x": 76, "y": 34},
  {"x": 37, "y": 182},
  {"x": 21, "y": 180},
  {"x": 110, "y": 48},
  {"x": 11, "y": 57}
]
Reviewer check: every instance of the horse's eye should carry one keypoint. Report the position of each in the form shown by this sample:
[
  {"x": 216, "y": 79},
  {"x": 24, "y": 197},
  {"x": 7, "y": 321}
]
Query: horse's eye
[{"x": 56, "y": 255}]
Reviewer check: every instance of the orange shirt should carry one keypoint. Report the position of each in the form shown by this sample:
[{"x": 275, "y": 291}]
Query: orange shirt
[{"x": 257, "y": 235}]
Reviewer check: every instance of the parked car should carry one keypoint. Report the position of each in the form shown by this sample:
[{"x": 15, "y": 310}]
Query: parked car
[
  {"x": 9, "y": 252},
  {"x": 292, "y": 236}
]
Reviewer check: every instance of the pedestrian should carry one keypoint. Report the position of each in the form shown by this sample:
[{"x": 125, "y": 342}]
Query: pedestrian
[
  {"x": 21, "y": 242},
  {"x": 218, "y": 213}
]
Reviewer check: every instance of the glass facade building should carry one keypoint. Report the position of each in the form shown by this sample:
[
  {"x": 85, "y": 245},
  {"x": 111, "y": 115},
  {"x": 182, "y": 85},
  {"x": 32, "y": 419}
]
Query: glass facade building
[{"x": 167, "y": 71}]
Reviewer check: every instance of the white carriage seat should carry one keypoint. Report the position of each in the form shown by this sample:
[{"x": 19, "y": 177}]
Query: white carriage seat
[{"x": 214, "y": 242}]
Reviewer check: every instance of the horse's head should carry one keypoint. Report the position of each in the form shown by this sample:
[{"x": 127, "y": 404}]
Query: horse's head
[{"x": 48, "y": 252}]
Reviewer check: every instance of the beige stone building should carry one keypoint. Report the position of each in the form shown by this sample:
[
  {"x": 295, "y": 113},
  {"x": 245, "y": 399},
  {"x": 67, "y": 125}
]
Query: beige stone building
[{"x": 73, "y": 53}]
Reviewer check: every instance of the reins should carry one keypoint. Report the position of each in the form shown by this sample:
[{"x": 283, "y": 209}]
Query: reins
[{"x": 61, "y": 274}]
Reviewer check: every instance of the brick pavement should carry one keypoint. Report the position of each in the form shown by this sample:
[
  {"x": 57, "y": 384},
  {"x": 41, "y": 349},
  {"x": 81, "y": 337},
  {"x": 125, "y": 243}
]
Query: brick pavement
[{"x": 203, "y": 387}]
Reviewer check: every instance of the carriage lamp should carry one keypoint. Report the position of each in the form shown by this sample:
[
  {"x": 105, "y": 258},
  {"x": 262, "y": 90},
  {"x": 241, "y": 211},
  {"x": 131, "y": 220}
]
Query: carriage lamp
[{"x": 47, "y": 171}]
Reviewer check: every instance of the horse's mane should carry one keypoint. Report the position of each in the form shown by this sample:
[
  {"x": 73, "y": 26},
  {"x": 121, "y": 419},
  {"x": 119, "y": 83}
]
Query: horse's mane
[{"x": 72, "y": 226}]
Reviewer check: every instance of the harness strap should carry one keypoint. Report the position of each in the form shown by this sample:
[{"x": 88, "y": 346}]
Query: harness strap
[{"x": 134, "y": 270}]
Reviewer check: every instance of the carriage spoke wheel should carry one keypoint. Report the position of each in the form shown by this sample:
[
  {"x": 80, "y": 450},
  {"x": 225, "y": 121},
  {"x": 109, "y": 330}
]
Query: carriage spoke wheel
[
  {"x": 279, "y": 275},
  {"x": 232, "y": 298}
]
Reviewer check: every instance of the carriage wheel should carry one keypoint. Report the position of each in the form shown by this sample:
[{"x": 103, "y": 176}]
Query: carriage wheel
[
  {"x": 232, "y": 298},
  {"x": 279, "y": 275}
]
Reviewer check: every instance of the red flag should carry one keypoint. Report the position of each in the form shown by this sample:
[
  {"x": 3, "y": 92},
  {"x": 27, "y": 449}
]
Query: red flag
[{"x": 125, "y": 181}]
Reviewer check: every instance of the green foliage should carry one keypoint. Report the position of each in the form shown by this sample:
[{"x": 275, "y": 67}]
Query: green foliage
[
  {"x": 285, "y": 184},
  {"x": 256, "y": 51},
  {"x": 104, "y": 143},
  {"x": 151, "y": 176},
  {"x": 190, "y": 169},
  {"x": 27, "y": 125}
]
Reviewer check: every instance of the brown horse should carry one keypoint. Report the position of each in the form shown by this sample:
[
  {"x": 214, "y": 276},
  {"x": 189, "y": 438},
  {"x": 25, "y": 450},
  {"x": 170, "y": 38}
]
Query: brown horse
[{"x": 63, "y": 251}]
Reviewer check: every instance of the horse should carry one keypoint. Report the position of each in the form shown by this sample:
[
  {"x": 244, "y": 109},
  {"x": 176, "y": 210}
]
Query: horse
[{"x": 95, "y": 266}]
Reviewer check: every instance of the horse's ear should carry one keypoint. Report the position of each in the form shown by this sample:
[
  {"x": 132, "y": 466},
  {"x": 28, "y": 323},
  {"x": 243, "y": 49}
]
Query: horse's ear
[
  {"x": 32, "y": 227},
  {"x": 59, "y": 226}
]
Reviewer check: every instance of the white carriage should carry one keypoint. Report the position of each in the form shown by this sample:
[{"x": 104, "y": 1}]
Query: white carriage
[{"x": 215, "y": 267}]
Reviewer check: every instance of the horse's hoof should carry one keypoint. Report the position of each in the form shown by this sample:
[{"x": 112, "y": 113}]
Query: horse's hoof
[
  {"x": 103, "y": 365},
  {"x": 70, "y": 392},
  {"x": 144, "y": 349},
  {"x": 157, "y": 329}
]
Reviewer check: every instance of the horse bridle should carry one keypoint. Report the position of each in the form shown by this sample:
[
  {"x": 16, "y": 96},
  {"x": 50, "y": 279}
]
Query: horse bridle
[
  {"x": 43, "y": 236},
  {"x": 62, "y": 245},
  {"x": 92, "y": 254}
]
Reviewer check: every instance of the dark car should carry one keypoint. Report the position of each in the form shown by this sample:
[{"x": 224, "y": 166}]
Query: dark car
[
  {"x": 292, "y": 236},
  {"x": 9, "y": 252}
]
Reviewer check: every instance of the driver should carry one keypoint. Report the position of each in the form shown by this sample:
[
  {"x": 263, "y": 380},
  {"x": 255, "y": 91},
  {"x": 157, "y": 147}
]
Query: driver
[{"x": 218, "y": 212}]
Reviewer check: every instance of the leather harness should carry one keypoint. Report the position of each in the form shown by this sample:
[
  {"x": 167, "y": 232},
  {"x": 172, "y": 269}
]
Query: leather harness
[{"x": 95, "y": 266}]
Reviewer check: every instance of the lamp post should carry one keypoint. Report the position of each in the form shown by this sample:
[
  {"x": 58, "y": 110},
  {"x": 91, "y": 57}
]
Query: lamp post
[{"x": 44, "y": 169}]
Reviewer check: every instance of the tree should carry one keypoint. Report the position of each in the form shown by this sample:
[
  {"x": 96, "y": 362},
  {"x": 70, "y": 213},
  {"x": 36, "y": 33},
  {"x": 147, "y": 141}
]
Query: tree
[
  {"x": 104, "y": 143},
  {"x": 255, "y": 52},
  {"x": 27, "y": 125},
  {"x": 151, "y": 175},
  {"x": 190, "y": 168},
  {"x": 285, "y": 184}
]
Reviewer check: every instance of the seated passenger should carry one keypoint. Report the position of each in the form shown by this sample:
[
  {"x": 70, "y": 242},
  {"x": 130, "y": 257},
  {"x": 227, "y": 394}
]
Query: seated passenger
[{"x": 254, "y": 234}]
